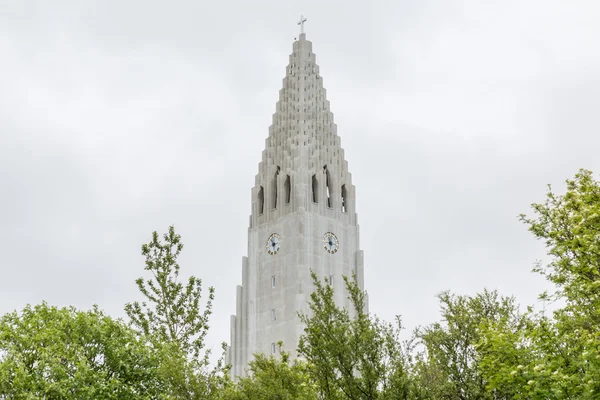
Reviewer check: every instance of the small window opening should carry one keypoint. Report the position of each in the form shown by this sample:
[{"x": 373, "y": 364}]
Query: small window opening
[
  {"x": 288, "y": 190},
  {"x": 315, "y": 189},
  {"x": 273, "y": 318},
  {"x": 273, "y": 348},
  {"x": 273, "y": 281},
  {"x": 344, "y": 199},
  {"x": 261, "y": 200},
  {"x": 331, "y": 280},
  {"x": 327, "y": 184},
  {"x": 275, "y": 188}
]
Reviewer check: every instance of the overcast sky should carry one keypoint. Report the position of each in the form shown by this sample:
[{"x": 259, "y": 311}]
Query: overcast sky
[{"x": 118, "y": 118}]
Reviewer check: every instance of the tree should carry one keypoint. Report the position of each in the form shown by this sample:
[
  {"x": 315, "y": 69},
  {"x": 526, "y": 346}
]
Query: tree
[
  {"x": 356, "y": 357},
  {"x": 62, "y": 353},
  {"x": 274, "y": 378},
  {"x": 175, "y": 320},
  {"x": 449, "y": 366},
  {"x": 570, "y": 226},
  {"x": 557, "y": 356},
  {"x": 520, "y": 362}
]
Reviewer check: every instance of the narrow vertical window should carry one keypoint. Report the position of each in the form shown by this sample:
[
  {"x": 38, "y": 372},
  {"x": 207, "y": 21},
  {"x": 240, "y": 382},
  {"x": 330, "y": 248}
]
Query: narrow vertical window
[
  {"x": 330, "y": 280},
  {"x": 273, "y": 317},
  {"x": 288, "y": 190},
  {"x": 315, "y": 189},
  {"x": 344, "y": 199},
  {"x": 261, "y": 200},
  {"x": 327, "y": 184},
  {"x": 273, "y": 281},
  {"x": 273, "y": 348},
  {"x": 275, "y": 188}
]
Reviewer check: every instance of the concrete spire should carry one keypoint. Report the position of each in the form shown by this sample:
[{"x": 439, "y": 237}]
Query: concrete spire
[
  {"x": 303, "y": 136},
  {"x": 303, "y": 192}
]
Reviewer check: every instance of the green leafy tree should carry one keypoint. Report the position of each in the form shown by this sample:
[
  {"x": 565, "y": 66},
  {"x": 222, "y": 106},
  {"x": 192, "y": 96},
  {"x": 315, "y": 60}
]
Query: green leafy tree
[
  {"x": 174, "y": 318},
  {"x": 62, "y": 353},
  {"x": 449, "y": 366},
  {"x": 352, "y": 356},
  {"x": 274, "y": 378},
  {"x": 558, "y": 356},
  {"x": 569, "y": 224},
  {"x": 529, "y": 362}
]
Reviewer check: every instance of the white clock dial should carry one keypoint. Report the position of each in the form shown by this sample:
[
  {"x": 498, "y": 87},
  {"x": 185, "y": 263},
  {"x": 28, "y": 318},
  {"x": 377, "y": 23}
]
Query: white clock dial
[
  {"x": 273, "y": 243},
  {"x": 331, "y": 244}
]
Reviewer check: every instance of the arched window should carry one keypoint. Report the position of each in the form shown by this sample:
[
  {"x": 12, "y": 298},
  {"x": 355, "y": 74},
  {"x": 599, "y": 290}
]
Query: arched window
[
  {"x": 261, "y": 200},
  {"x": 274, "y": 197},
  {"x": 344, "y": 199},
  {"x": 288, "y": 190},
  {"x": 315, "y": 189},
  {"x": 327, "y": 184}
]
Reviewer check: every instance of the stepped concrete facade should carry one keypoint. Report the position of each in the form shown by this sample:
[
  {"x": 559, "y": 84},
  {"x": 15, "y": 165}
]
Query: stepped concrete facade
[{"x": 303, "y": 218}]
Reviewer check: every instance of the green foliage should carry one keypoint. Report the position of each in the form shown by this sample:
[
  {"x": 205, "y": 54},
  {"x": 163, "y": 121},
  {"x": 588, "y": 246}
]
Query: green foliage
[
  {"x": 540, "y": 360},
  {"x": 570, "y": 226},
  {"x": 448, "y": 368},
  {"x": 61, "y": 353},
  {"x": 352, "y": 356},
  {"x": 172, "y": 312},
  {"x": 556, "y": 357},
  {"x": 174, "y": 319},
  {"x": 274, "y": 378}
]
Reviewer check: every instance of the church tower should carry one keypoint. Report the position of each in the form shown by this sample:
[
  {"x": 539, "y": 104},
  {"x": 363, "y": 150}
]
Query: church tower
[{"x": 303, "y": 218}]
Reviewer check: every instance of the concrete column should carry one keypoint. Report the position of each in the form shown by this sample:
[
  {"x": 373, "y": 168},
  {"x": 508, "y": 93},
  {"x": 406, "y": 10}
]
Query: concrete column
[
  {"x": 232, "y": 348},
  {"x": 244, "y": 316},
  {"x": 238, "y": 331}
]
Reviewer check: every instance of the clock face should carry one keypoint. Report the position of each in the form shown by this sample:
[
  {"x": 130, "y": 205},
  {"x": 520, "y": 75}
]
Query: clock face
[
  {"x": 273, "y": 243},
  {"x": 331, "y": 243}
]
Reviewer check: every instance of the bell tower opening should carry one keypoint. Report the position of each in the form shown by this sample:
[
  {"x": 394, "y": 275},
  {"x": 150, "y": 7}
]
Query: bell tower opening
[
  {"x": 288, "y": 190},
  {"x": 315, "y": 189},
  {"x": 344, "y": 199},
  {"x": 274, "y": 186},
  {"x": 327, "y": 184},
  {"x": 261, "y": 200}
]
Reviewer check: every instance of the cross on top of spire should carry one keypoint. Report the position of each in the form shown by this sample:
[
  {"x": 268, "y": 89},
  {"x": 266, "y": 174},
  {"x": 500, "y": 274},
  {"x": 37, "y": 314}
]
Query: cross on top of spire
[{"x": 301, "y": 23}]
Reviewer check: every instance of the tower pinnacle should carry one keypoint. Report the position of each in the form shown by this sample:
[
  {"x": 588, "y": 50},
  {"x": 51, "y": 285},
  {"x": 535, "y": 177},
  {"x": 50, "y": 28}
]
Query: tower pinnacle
[
  {"x": 303, "y": 218},
  {"x": 301, "y": 23}
]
